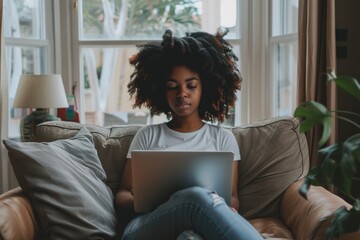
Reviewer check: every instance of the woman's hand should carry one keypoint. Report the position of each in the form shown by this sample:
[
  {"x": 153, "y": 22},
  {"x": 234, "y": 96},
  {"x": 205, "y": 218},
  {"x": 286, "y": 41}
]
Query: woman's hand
[
  {"x": 233, "y": 209},
  {"x": 234, "y": 203},
  {"x": 124, "y": 199},
  {"x": 234, "y": 195}
]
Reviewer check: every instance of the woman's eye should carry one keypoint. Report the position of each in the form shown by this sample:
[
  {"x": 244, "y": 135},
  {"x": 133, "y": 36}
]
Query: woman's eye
[
  {"x": 171, "y": 87},
  {"x": 192, "y": 86}
]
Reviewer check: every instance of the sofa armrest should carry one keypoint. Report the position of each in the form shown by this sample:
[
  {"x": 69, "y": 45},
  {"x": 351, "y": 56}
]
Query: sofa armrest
[
  {"x": 17, "y": 219},
  {"x": 306, "y": 218}
]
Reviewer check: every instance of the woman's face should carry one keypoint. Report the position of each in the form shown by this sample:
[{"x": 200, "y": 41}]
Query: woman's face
[{"x": 183, "y": 92}]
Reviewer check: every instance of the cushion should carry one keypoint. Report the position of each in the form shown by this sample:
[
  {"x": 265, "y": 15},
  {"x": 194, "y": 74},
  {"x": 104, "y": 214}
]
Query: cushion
[
  {"x": 273, "y": 155},
  {"x": 65, "y": 181},
  {"x": 112, "y": 144}
]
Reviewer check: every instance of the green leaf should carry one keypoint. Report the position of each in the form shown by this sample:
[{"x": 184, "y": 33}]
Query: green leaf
[
  {"x": 314, "y": 113},
  {"x": 354, "y": 139},
  {"x": 348, "y": 84},
  {"x": 355, "y": 145},
  {"x": 357, "y": 205},
  {"x": 327, "y": 170},
  {"x": 338, "y": 165},
  {"x": 344, "y": 221},
  {"x": 326, "y": 130},
  {"x": 313, "y": 178},
  {"x": 304, "y": 188}
]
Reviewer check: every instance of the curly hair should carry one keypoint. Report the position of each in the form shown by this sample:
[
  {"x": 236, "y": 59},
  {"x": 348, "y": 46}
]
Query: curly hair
[{"x": 211, "y": 56}]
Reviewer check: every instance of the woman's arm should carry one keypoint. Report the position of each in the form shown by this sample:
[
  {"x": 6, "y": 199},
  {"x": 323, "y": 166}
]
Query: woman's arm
[
  {"x": 234, "y": 195},
  {"x": 124, "y": 198}
]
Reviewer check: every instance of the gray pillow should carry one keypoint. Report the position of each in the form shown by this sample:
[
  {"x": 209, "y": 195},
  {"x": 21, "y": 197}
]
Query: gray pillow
[{"x": 65, "y": 182}]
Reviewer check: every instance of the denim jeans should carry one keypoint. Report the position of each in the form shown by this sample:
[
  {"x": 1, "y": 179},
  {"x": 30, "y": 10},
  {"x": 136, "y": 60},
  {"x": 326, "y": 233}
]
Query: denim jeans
[{"x": 197, "y": 209}]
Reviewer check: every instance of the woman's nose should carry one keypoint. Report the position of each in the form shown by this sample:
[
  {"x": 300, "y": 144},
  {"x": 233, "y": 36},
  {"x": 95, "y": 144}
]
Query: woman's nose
[{"x": 182, "y": 92}]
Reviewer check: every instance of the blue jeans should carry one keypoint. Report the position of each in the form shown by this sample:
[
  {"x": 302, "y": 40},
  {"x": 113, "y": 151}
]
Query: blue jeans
[{"x": 193, "y": 208}]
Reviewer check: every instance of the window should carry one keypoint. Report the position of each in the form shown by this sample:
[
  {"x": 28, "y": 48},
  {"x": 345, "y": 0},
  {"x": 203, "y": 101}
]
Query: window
[
  {"x": 27, "y": 48},
  {"x": 283, "y": 44}
]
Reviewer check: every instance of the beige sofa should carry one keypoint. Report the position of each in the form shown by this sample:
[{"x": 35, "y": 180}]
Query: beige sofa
[{"x": 274, "y": 162}]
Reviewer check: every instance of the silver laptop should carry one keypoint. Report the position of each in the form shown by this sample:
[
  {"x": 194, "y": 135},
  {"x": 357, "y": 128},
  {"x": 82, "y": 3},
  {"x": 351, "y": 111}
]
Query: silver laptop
[{"x": 158, "y": 174}]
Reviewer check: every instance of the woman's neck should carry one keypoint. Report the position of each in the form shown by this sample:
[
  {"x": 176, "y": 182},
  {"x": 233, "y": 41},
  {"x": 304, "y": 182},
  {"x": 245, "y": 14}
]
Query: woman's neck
[{"x": 185, "y": 125}]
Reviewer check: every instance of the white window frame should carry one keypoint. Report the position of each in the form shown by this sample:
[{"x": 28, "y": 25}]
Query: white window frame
[
  {"x": 259, "y": 93},
  {"x": 273, "y": 41},
  {"x": 47, "y": 44}
]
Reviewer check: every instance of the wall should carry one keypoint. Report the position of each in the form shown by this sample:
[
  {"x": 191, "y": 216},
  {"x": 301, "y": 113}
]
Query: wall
[{"x": 348, "y": 62}]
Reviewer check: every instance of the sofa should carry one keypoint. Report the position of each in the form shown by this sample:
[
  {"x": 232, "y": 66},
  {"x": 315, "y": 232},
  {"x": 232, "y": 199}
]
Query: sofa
[{"x": 274, "y": 163}]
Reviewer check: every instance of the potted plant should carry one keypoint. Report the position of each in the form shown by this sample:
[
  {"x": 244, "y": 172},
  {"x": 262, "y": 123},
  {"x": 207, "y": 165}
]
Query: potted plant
[{"x": 339, "y": 162}]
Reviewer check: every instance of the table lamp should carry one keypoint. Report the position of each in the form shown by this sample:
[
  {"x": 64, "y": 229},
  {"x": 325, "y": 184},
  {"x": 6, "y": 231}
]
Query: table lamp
[{"x": 40, "y": 92}]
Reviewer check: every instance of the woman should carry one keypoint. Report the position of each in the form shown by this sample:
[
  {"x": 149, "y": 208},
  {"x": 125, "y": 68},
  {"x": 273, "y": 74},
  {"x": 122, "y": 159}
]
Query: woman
[{"x": 193, "y": 80}]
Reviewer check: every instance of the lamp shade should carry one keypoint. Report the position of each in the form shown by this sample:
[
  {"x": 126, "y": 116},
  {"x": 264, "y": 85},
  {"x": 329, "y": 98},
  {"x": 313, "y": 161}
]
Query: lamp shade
[{"x": 40, "y": 91}]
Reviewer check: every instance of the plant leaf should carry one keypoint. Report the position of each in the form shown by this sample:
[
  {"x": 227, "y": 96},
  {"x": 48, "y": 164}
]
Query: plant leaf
[
  {"x": 344, "y": 221},
  {"x": 314, "y": 113},
  {"x": 338, "y": 165},
  {"x": 326, "y": 130},
  {"x": 304, "y": 188},
  {"x": 328, "y": 165},
  {"x": 348, "y": 84},
  {"x": 357, "y": 205},
  {"x": 313, "y": 178},
  {"x": 355, "y": 143}
]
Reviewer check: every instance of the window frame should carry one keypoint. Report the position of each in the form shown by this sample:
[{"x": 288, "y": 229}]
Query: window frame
[
  {"x": 273, "y": 41},
  {"x": 46, "y": 41},
  {"x": 8, "y": 179}
]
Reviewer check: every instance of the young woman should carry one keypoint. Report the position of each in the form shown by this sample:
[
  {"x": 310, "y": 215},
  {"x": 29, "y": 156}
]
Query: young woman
[{"x": 193, "y": 80}]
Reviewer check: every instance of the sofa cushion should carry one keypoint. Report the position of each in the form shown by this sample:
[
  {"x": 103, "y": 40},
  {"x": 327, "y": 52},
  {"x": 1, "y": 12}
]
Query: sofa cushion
[
  {"x": 64, "y": 180},
  {"x": 274, "y": 155},
  {"x": 112, "y": 144}
]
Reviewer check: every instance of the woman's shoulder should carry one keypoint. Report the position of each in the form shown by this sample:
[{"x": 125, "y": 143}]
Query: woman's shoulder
[
  {"x": 219, "y": 129},
  {"x": 152, "y": 128}
]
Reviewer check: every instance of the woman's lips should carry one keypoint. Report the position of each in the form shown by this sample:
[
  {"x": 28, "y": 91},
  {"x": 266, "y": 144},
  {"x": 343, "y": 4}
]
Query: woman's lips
[{"x": 183, "y": 105}]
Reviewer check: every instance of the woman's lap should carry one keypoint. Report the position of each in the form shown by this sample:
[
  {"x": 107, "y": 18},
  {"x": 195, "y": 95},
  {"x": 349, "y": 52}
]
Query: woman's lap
[{"x": 197, "y": 209}]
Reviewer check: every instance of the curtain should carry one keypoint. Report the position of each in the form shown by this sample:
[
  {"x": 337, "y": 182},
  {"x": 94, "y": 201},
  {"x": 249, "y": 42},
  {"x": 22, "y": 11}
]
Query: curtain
[{"x": 317, "y": 56}]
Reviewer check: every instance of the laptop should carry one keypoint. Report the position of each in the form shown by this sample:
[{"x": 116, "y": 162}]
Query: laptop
[{"x": 158, "y": 174}]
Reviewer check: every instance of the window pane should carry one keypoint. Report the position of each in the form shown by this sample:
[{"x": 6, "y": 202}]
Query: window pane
[
  {"x": 21, "y": 60},
  {"x": 24, "y": 19},
  {"x": 285, "y": 70},
  {"x": 229, "y": 17},
  {"x": 106, "y": 75},
  {"x": 141, "y": 19},
  {"x": 231, "y": 121},
  {"x": 284, "y": 17}
]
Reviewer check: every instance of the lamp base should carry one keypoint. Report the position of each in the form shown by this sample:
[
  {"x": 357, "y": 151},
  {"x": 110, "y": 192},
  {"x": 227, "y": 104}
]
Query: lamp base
[{"x": 29, "y": 123}]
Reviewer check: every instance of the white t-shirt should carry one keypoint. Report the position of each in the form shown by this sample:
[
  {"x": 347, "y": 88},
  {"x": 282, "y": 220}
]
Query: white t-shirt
[{"x": 207, "y": 138}]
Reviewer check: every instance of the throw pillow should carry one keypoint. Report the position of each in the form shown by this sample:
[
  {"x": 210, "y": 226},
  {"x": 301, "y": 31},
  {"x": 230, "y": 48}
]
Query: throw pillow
[{"x": 65, "y": 182}]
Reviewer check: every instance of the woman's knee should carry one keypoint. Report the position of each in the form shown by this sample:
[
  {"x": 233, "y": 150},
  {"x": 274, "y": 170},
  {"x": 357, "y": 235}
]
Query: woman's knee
[{"x": 198, "y": 195}]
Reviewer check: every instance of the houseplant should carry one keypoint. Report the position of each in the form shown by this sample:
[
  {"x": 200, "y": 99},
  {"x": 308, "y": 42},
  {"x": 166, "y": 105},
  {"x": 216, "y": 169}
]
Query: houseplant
[{"x": 340, "y": 162}]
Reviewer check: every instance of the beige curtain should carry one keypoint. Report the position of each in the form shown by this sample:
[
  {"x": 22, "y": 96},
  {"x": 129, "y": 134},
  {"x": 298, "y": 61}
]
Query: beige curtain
[{"x": 317, "y": 56}]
